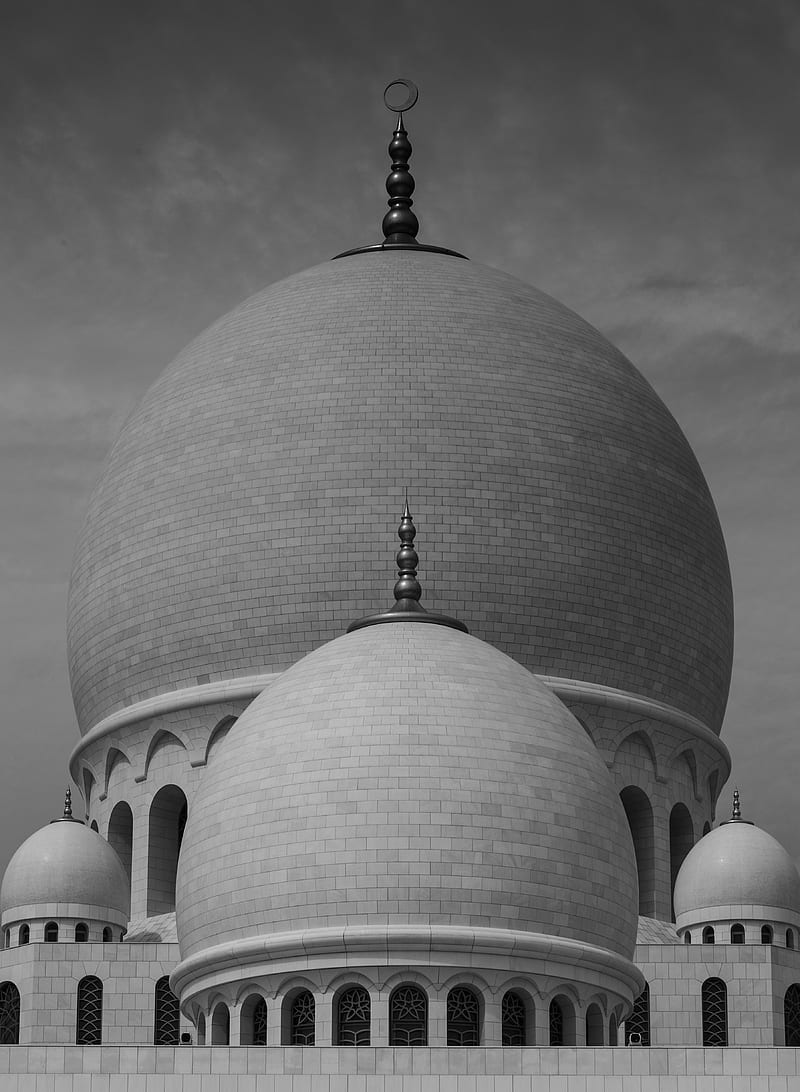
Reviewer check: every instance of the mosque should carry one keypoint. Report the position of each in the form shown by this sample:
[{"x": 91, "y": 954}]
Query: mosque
[{"x": 465, "y": 836}]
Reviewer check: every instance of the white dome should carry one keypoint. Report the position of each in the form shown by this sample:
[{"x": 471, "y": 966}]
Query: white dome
[
  {"x": 65, "y": 870},
  {"x": 737, "y": 871}
]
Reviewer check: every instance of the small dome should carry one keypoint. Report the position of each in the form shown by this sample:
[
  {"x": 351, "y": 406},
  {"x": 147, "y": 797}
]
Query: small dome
[
  {"x": 407, "y": 774},
  {"x": 65, "y": 869},
  {"x": 734, "y": 869}
]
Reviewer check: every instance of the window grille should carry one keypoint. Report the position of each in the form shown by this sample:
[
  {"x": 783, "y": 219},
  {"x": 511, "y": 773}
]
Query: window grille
[
  {"x": 737, "y": 934},
  {"x": 512, "y": 1017},
  {"x": 51, "y": 932},
  {"x": 638, "y": 1023},
  {"x": 260, "y": 1023},
  {"x": 90, "y": 1012},
  {"x": 166, "y": 1022},
  {"x": 81, "y": 933},
  {"x": 25, "y": 934},
  {"x": 408, "y": 1017},
  {"x": 766, "y": 934},
  {"x": 708, "y": 935},
  {"x": 302, "y": 1019},
  {"x": 715, "y": 1012},
  {"x": 791, "y": 1015},
  {"x": 9, "y": 1014},
  {"x": 556, "y": 1024},
  {"x": 352, "y": 1017},
  {"x": 463, "y": 1016}
]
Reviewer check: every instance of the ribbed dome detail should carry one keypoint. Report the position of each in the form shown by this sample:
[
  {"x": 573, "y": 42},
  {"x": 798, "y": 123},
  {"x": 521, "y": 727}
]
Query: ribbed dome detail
[
  {"x": 519, "y": 431},
  {"x": 407, "y": 774}
]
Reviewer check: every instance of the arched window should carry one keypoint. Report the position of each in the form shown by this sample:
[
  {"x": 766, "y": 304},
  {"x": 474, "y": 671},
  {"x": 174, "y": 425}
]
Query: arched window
[
  {"x": 766, "y": 934},
  {"x": 167, "y": 822},
  {"x": 89, "y": 1023},
  {"x": 108, "y": 936},
  {"x": 353, "y": 1017},
  {"x": 791, "y": 1015},
  {"x": 220, "y": 1025},
  {"x": 715, "y": 1012},
  {"x": 408, "y": 1017},
  {"x": 81, "y": 932},
  {"x": 708, "y": 935},
  {"x": 562, "y": 1022},
  {"x": 167, "y": 1021},
  {"x": 637, "y": 1026},
  {"x": 594, "y": 1026},
  {"x": 790, "y": 938},
  {"x": 737, "y": 934},
  {"x": 120, "y": 834},
  {"x": 639, "y": 813},
  {"x": 7, "y": 938},
  {"x": 613, "y": 1030},
  {"x": 253, "y": 1021},
  {"x": 9, "y": 1014},
  {"x": 302, "y": 1017},
  {"x": 201, "y": 1030},
  {"x": 122, "y": 935},
  {"x": 51, "y": 932},
  {"x": 556, "y": 1024},
  {"x": 687, "y": 937},
  {"x": 513, "y": 1017},
  {"x": 463, "y": 1017},
  {"x": 681, "y": 840},
  {"x": 25, "y": 934}
]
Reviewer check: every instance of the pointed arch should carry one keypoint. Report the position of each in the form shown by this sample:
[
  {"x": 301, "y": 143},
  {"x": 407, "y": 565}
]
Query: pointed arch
[
  {"x": 115, "y": 756},
  {"x": 88, "y": 788},
  {"x": 162, "y": 738},
  {"x": 684, "y": 755},
  {"x": 635, "y": 735},
  {"x": 217, "y": 735}
]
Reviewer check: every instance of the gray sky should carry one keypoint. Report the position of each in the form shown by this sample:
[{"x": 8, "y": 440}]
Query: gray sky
[{"x": 161, "y": 161}]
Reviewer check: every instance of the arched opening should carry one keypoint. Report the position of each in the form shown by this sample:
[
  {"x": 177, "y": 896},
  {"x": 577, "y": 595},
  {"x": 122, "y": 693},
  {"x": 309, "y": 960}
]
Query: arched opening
[
  {"x": 218, "y": 734},
  {"x": 353, "y": 1012},
  {"x": 766, "y": 934},
  {"x": 166, "y": 1020},
  {"x": 220, "y": 1025},
  {"x": 253, "y": 1021},
  {"x": 6, "y": 938},
  {"x": 167, "y": 820},
  {"x": 463, "y": 1017},
  {"x": 737, "y": 934},
  {"x": 93, "y": 826},
  {"x": 639, "y": 812},
  {"x": 791, "y": 1016},
  {"x": 514, "y": 1019},
  {"x": 201, "y": 1030},
  {"x": 715, "y": 1012},
  {"x": 89, "y": 1022},
  {"x": 613, "y": 1030},
  {"x": 637, "y": 1026},
  {"x": 408, "y": 1016},
  {"x": 120, "y": 834},
  {"x": 790, "y": 938},
  {"x": 687, "y": 937},
  {"x": 107, "y": 935},
  {"x": 681, "y": 840},
  {"x": 81, "y": 932},
  {"x": 594, "y": 1026},
  {"x": 300, "y": 1027},
  {"x": 708, "y": 935},
  {"x": 25, "y": 934},
  {"x": 9, "y": 1014},
  {"x": 562, "y": 1022},
  {"x": 706, "y": 828},
  {"x": 51, "y": 933}
]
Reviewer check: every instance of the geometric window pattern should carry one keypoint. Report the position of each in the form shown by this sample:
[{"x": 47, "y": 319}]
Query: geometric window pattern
[
  {"x": 791, "y": 1015},
  {"x": 90, "y": 1012},
  {"x": 9, "y": 1014},
  {"x": 260, "y": 1023},
  {"x": 353, "y": 1017},
  {"x": 637, "y": 1024},
  {"x": 462, "y": 1017},
  {"x": 166, "y": 1025},
  {"x": 715, "y": 1012},
  {"x": 556, "y": 1024},
  {"x": 513, "y": 1019},
  {"x": 408, "y": 1017},
  {"x": 302, "y": 1019}
]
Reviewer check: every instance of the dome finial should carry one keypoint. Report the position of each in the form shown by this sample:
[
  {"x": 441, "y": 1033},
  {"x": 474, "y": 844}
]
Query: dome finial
[
  {"x": 400, "y": 225},
  {"x": 407, "y": 589},
  {"x": 737, "y": 811},
  {"x": 67, "y": 817}
]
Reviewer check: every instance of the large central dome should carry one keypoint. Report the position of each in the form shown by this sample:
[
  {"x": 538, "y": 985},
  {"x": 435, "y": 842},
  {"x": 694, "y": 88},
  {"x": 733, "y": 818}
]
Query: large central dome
[{"x": 242, "y": 511}]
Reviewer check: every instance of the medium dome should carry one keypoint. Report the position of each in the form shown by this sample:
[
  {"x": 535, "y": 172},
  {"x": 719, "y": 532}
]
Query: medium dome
[
  {"x": 65, "y": 869},
  {"x": 206, "y": 551},
  {"x": 735, "y": 866},
  {"x": 406, "y": 775}
]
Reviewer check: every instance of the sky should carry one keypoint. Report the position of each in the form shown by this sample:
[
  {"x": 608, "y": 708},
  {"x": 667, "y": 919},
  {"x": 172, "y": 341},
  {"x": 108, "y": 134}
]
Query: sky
[{"x": 159, "y": 162}]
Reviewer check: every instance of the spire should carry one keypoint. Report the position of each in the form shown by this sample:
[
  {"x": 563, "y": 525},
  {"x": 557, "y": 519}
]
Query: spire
[
  {"x": 736, "y": 812},
  {"x": 400, "y": 225},
  {"x": 407, "y": 589},
  {"x": 67, "y": 817}
]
